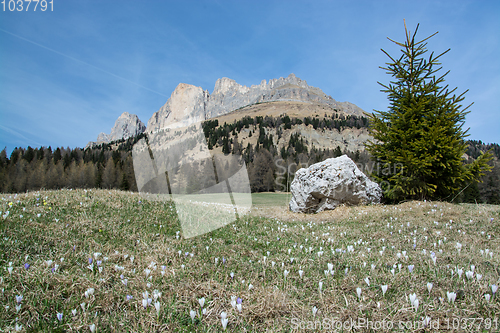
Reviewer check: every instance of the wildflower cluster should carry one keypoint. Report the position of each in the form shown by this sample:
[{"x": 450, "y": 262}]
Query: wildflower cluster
[{"x": 103, "y": 259}]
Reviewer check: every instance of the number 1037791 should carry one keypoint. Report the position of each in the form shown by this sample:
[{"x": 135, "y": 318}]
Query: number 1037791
[{"x": 27, "y": 5}]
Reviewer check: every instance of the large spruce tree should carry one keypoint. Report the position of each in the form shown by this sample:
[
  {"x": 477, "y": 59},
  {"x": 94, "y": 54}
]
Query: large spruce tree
[{"x": 418, "y": 143}]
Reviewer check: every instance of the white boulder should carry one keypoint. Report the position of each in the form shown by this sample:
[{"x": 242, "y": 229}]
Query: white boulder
[{"x": 328, "y": 184}]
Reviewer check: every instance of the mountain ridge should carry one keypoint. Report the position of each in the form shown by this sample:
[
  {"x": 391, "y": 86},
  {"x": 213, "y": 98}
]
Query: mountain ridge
[{"x": 189, "y": 104}]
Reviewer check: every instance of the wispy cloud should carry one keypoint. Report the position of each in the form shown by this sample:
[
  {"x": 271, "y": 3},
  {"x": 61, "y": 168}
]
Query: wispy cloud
[
  {"x": 19, "y": 137},
  {"x": 82, "y": 62},
  {"x": 80, "y": 68}
]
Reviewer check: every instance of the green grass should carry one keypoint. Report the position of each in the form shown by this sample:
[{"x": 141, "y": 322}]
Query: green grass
[
  {"x": 69, "y": 227},
  {"x": 271, "y": 199}
]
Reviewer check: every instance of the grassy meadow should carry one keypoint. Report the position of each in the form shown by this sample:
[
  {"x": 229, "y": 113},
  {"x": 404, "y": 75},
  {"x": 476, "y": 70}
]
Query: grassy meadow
[{"x": 111, "y": 261}]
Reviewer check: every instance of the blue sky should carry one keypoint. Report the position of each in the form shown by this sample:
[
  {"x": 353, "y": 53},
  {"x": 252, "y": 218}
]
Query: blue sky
[{"x": 67, "y": 74}]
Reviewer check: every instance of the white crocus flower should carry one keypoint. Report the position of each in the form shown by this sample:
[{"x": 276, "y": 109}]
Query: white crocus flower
[
  {"x": 451, "y": 296},
  {"x": 223, "y": 320},
  {"x": 201, "y": 301},
  {"x": 192, "y": 313},
  {"x": 358, "y": 291}
]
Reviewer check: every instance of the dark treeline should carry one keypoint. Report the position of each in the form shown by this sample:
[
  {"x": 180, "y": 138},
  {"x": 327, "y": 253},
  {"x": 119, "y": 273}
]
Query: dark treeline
[
  {"x": 488, "y": 191},
  {"x": 214, "y": 132},
  {"x": 476, "y": 147},
  {"x": 110, "y": 165},
  {"x": 106, "y": 166}
]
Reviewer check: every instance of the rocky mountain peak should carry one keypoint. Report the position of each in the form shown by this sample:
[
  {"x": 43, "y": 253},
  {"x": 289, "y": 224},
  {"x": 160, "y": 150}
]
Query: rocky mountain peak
[
  {"x": 225, "y": 85},
  {"x": 126, "y": 126},
  {"x": 126, "y": 115},
  {"x": 190, "y": 104},
  {"x": 290, "y": 80},
  {"x": 185, "y": 106}
]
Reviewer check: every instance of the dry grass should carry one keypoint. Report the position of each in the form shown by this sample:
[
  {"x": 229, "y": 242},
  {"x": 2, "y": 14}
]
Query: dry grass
[
  {"x": 77, "y": 225},
  {"x": 276, "y": 109},
  {"x": 327, "y": 139}
]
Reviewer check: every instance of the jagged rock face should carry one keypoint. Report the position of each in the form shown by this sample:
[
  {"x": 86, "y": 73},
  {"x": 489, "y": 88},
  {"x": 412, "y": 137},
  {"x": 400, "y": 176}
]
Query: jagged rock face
[
  {"x": 328, "y": 184},
  {"x": 126, "y": 126},
  {"x": 186, "y": 106},
  {"x": 189, "y": 104},
  {"x": 103, "y": 137},
  {"x": 229, "y": 95}
]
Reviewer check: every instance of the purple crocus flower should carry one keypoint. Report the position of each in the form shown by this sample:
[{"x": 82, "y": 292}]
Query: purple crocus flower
[
  {"x": 26, "y": 265},
  {"x": 410, "y": 268},
  {"x": 99, "y": 262},
  {"x": 239, "y": 300},
  {"x": 129, "y": 297},
  {"x": 53, "y": 269},
  {"x": 90, "y": 260},
  {"x": 59, "y": 316},
  {"x": 223, "y": 260}
]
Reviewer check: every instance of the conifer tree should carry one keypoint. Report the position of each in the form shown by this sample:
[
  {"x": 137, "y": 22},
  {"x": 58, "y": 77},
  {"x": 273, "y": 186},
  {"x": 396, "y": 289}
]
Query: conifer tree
[
  {"x": 54, "y": 175},
  {"x": 109, "y": 175},
  {"x": 419, "y": 141}
]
